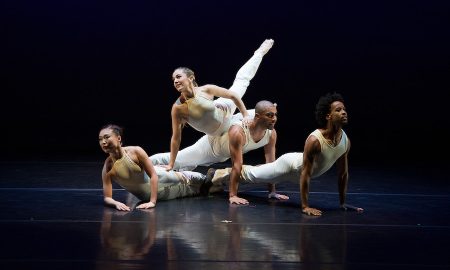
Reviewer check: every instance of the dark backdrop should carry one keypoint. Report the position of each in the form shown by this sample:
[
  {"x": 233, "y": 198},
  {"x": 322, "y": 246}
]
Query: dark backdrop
[{"x": 69, "y": 67}]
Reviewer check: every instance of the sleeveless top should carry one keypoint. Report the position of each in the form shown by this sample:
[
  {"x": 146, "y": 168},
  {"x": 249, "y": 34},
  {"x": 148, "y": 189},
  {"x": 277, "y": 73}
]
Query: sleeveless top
[
  {"x": 206, "y": 116},
  {"x": 329, "y": 154},
  {"x": 131, "y": 177},
  {"x": 220, "y": 145}
]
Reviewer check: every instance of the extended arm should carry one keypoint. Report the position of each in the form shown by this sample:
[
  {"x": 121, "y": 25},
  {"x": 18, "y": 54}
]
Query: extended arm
[
  {"x": 147, "y": 165},
  {"x": 270, "y": 149},
  {"x": 269, "y": 154},
  {"x": 107, "y": 191},
  {"x": 216, "y": 91},
  {"x": 175, "y": 141},
  {"x": 311, "y": 151},
  {"x": 237, "y": 140},
  {"x": 342, "y": 169}
]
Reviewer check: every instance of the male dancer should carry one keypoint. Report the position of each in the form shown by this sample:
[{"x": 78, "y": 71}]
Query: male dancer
[{"x": 324, "y": 147}]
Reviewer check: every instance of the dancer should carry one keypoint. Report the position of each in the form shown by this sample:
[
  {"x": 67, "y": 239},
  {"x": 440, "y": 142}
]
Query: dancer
[
  {"x": 132, "y": 169},
  {"x": 325, "y": 146},
  {"x": 197, "y": 107},
  {"x": 240, "y": 139}
]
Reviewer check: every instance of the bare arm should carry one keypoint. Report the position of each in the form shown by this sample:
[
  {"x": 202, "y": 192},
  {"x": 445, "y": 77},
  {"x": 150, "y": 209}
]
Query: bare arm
[
  {"x": 270, "y": 149},
  {"x": 342, "y": 169},
  {"x": 107, "y": 190},
  {"x": 311, "y": 151},
  {"x": 216, "y": 91},
  {"x": 147, "y": 165},
  {"x": 269, "y": 155},
  {"x": 237, "y": 140},
  {"x": 175, "y": 141}
]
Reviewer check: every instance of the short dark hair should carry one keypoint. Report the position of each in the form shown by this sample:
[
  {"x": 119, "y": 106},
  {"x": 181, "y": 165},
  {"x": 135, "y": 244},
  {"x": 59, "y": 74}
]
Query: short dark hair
[
  {"x": 263, "y": 106},
  {"x": 323, "y": 107},
  {"x": 115, "y": 128}
]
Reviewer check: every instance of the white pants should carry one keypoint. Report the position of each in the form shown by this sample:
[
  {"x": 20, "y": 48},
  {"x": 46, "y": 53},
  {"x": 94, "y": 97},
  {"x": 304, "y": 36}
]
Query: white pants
[
  {"x": 201, "y": 153},
  {"x": 240, "y": 84},
  {"x": 173, "y": 185},
  {"x": 285, "y": 168},
  {"x": 242, "y": 81}
]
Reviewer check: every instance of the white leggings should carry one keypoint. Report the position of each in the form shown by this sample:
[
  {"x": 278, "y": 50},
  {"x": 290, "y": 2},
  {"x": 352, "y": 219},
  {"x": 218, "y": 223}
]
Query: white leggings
[
  {"x": 199, "y": 154},
  {"x": 240, "y": 84},
  {"x": 173, "y": 185},
  {"x": 285, "y": 168},
  {"x": 242, "y": 81}
]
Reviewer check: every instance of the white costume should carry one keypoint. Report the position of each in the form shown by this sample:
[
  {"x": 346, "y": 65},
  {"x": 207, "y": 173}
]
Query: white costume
[
  {"x": 288, "y": 166},
  {"x": 214, "y": 117},
  {"x": 209, "y": 150},
  {"x": 171, "y": 184}
]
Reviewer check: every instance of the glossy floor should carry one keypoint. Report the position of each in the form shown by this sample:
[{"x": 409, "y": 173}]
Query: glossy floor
[{"x": 53, "y": 218}]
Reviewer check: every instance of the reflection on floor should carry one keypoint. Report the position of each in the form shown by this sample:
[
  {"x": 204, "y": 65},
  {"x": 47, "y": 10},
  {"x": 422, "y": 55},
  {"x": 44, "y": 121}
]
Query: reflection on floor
[{"x": 53, "y": 218}]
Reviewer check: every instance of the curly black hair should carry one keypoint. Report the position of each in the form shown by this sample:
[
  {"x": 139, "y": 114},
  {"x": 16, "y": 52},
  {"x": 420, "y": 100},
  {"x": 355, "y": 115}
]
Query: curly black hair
[{"x": 323, "y": 107}]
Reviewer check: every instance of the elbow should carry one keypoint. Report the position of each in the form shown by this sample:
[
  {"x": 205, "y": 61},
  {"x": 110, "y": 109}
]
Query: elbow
[
  {"x": 237, "y": 168},
  {"x": 343, "y": 176},
  {"x": 176, "y": 140},
  {"x": 237, "y": 100}
]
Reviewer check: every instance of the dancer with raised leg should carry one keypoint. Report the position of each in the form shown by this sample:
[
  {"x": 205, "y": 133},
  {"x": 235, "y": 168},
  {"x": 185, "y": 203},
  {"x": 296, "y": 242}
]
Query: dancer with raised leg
[{"x": 196, "y": 105}]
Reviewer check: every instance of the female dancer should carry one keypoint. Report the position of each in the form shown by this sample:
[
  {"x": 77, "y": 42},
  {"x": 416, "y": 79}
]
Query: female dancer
[
  {"x": 132, "y": 169},
  {"x": 197, "y": 107}
]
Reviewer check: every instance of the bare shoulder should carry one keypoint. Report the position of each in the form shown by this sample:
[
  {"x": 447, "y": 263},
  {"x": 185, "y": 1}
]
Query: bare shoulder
[
  {"x": 274, "y": 133},
  {"x": 312, "y": 143},
  {"x": 107, "y": 166},
  {"x": 208, "y": 90},
  {"x": 207, "y": 87},
  {"x": 179, "y": 111},
  {"x": 236, "y": 130},
  {"x": 312, "y": 139},
  {"x": 134, "y": 150},
  {"x": 177, "y": 106},
  {"x": 236, "y": 135}
]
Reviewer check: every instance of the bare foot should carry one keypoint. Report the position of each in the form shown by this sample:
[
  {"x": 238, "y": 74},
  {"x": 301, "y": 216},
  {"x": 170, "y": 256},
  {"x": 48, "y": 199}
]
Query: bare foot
[
  {"x": 277, "y": 196},
  {"x": 265, "y": 47}
]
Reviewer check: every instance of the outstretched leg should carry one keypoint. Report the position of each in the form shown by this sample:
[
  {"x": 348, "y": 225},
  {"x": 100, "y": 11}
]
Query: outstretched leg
[
  {"x": 174, "y": 185},
  {"x": 245, "y": 74},
  {"x": 285, "y": 168}
]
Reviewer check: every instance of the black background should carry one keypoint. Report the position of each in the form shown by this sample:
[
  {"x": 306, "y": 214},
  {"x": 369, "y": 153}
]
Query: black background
[{"x": 69, "y": 67}]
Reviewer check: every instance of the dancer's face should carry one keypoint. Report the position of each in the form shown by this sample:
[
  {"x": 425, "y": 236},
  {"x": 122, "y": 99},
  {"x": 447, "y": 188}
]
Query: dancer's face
[
  {"x": 338, "y": 113},
  {"x": 108, "y": 140},
  {"x": 269, "y": 117},
  {"x": 180, "y": 80}
]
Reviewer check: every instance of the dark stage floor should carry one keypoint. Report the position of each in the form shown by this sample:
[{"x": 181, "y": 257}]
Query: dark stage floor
[{"x": 53, "y": 218}]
